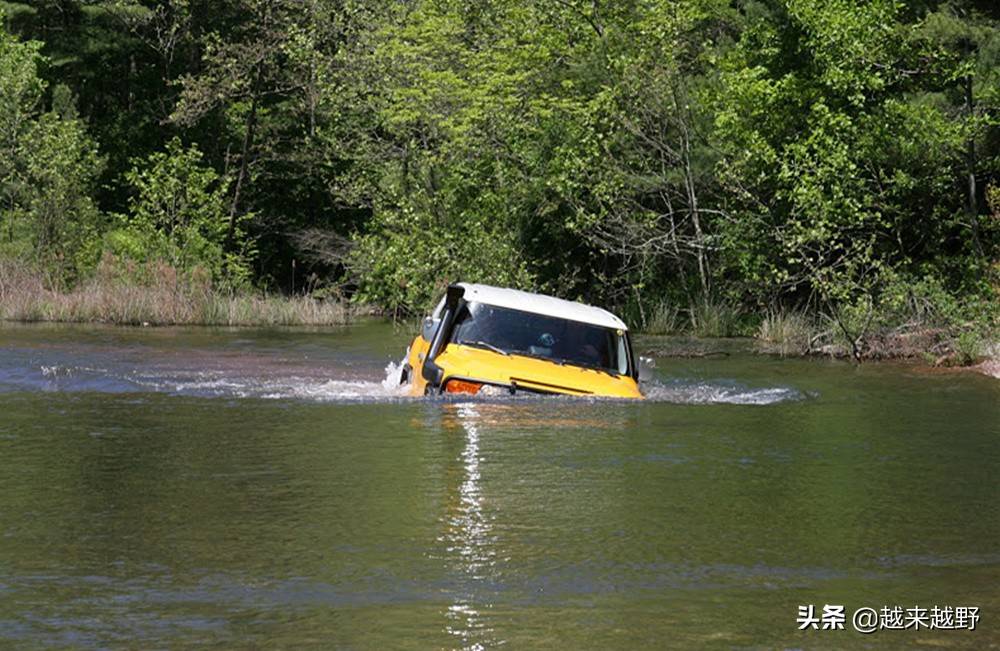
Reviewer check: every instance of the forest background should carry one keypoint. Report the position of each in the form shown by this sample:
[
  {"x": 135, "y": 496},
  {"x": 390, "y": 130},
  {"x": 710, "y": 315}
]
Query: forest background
[{"x": 817, "y": 172}]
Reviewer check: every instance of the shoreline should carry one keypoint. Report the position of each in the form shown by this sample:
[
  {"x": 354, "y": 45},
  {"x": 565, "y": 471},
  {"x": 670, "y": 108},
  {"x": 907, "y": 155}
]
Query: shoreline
[
  {"x": 991, "y": 365},
  {"x": 215, "y": 310},
  {"x": 692, "y": 347},
  {"x": 989, "y": 368},
  {"x": 157, "y": 294},
  {"x": 303, "y": 312},
  {"x": 320, "y": 314}
]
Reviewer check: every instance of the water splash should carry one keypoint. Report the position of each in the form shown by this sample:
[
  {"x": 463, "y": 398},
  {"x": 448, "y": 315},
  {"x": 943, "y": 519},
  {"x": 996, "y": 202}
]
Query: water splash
[
  {"x": 249, "y": 383},
  {"x": 718, "y": 392},
  {"x": 393, "y": 376},
  {"x": 223, "y": 384},
  {"x": 304, "y": 373}
]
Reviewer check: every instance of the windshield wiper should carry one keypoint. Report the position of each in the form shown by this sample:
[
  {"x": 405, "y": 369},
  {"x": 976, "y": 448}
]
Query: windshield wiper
[
  {"x": 524, "y": 353},
  {"x": 483, "y": 344},
  {"x": 562, "y": 361},
  {"x": 590, "y": 367}
]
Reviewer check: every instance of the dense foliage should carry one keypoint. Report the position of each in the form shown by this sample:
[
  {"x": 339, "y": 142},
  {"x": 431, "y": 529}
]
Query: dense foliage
[{"x": 837, "y": 156}]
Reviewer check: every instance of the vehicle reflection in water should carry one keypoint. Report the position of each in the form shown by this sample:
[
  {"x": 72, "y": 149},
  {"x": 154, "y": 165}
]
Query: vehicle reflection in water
[
  {"x": 473, "y": 549},
  {"x": 471, "y": 543},
  {"x": 549, "y": 413}
]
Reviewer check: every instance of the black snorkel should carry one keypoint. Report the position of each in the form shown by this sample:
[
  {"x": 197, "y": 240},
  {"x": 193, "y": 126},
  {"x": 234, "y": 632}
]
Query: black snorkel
[{"x": 430, "y": 371}]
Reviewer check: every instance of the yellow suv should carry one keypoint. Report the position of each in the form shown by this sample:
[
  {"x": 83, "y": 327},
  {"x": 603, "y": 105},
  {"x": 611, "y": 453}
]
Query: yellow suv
[{"x": 493, "y": 340}]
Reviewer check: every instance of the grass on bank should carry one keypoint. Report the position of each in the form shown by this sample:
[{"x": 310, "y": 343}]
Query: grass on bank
[
  {"x": 939, "y": 335},
  {"x": 703, "y": 319},
  {"x": 153, "y": 294},
  {"x": 786, "y": 332},
  {"x": 925, "y": 325}
]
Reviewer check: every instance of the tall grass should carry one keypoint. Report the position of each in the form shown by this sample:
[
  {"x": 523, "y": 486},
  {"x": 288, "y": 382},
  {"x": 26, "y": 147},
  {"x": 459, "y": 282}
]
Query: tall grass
[
  {"x": 153, "y": 294},
  {"x": 664, "y": 320},
  {"x": 704, "y": 318},
  {"x": 715, "y": 319},
  {"x": 968, "y": 347},
  {"x": 785, "y": 332}
]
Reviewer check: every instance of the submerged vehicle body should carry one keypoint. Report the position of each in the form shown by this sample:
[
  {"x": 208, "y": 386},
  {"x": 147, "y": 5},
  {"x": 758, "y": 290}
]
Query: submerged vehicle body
[{"x": 489, "y": 340}]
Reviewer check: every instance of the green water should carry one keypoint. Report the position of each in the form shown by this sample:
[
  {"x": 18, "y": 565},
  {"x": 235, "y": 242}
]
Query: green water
[{"x": 249, "y": 489}]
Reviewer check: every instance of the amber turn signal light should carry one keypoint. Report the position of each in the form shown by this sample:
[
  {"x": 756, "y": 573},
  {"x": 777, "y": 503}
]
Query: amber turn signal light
[{"x": 461, "y": 386}]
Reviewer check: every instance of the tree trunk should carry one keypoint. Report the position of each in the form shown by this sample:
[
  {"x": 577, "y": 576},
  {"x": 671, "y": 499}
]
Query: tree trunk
[
  {"x": 695, "y": 216},
  {"x": 244, "y": 155},
  {"x": 972, "y": 207},
  {"x": 680, "y": 107}
]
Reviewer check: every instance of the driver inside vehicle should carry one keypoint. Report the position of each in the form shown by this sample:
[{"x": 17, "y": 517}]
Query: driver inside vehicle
[
  {"x": 597, "y": 348},
  {"x": 584, "y": 347}
]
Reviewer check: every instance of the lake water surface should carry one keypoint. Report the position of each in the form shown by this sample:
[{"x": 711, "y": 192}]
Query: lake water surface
[{"x": 176, "y": 488}]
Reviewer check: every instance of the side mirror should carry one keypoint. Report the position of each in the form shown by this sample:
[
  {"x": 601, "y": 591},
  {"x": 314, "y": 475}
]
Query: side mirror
[
  {"x": 429, "y": 327},
  {"x": 646, "y": 366}
]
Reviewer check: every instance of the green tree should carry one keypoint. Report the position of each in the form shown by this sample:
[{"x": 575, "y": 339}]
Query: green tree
[
  {"x": 105, "y": 52},
  {"x": 48, "y": 167},
  {"x": 967, "y": 41},
  {"x": 257, "y": 92},
  {"x": 481, "y": 131},
  {"x": 178, "y": 215},
  {"x": 20, "y": 95},
  {"x": 62, "y": 162},
  {"x": 645, "y": 187},
  {"x": 822, "y": 152}
]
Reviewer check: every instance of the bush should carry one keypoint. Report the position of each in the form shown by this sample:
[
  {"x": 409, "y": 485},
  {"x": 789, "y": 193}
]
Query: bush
[
  {"x": 910, "y": 317},
  {"x": 408, "y": 258},
  {"x": 968, "y": 348},
  {"x": 48, "y": 169}
]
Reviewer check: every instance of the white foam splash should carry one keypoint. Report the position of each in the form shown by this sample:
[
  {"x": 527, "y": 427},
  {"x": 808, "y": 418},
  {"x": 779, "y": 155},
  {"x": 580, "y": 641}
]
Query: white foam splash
[
  {"x": 393, "y": 376},
  {"x": 332, "y": 390},
  {"x": 51, "y": 371},
  {"x": 312, "y": 384},
  {"x": 710, "y": 393},
  {"x": 219, "y": 384},
  {"x": 223, "y": 384}
]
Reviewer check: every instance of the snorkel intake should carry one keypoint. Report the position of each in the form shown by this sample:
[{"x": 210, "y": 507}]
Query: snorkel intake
[{"x": 430, "y": 371}]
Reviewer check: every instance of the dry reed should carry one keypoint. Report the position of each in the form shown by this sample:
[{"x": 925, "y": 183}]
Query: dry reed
[{"x": 153, "y": 294}]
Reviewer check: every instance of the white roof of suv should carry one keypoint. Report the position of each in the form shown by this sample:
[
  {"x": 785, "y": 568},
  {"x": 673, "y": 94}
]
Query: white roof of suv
[{"x": 515, "y": 299}]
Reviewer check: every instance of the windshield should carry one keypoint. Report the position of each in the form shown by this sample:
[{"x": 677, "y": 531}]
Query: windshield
[{"x": 524, "y": 333}]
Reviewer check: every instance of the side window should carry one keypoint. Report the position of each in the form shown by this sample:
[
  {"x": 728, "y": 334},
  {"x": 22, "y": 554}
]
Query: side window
[{"x": 436, "y": 314}]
